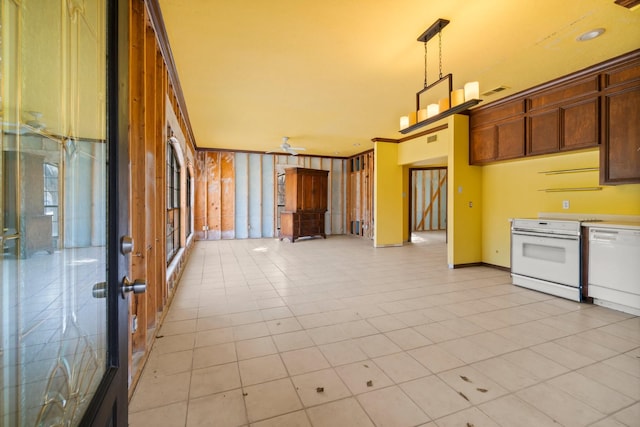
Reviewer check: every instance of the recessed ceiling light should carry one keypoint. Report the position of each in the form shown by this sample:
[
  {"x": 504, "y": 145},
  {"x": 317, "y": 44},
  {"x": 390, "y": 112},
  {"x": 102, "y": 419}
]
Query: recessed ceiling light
[
  {"x": 591, "y": 34},
  {"x": 356, "y": 144}
]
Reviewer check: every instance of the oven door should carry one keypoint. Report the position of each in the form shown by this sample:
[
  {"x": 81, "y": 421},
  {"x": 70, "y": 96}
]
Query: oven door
[{"x": 555, "y": 258}]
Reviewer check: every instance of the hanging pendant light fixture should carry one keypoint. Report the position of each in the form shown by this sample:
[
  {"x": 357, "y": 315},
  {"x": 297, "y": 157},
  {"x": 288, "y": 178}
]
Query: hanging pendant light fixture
[{"x": 432, "y": 103}]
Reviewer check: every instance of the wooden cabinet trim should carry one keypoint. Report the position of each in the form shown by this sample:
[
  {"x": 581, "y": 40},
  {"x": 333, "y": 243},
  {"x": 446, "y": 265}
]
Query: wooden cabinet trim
[
  {"x": 576, "y": 99},
  {"x": 493, "y": 114},
  {"x": 620, "y": 76},
  {"x": 589, "y": 86}
]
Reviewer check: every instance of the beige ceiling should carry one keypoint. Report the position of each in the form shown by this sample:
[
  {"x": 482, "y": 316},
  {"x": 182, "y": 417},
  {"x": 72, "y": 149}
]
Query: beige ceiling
[{"x": 333, "y": 74}]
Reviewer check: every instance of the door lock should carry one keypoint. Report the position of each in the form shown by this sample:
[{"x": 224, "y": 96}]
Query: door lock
[
  {"x": 100, "y": 290},
  {"x": 138, "y": 286},
  {"x": 126, "y": 245}
]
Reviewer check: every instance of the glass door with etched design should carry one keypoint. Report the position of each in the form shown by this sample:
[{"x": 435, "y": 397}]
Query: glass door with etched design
[{"x": 54, "y": 321}]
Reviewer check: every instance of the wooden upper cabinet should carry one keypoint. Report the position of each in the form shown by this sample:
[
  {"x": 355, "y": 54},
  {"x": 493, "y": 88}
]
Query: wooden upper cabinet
[
  {"x": 497, "y": 133},
  {"x": 620, "y": 153},
  {"x": 511, "y": 139},
  {"x": 564, "y": 117},
  {"x": 580, "y": 124},
  {"x": 483, "y": 144},
  {"x": 620, "y": 150},
  {"x": 544, "y": 132},
  {"x": 596, "y": 106},
  {"x": 566, "y": 93}
]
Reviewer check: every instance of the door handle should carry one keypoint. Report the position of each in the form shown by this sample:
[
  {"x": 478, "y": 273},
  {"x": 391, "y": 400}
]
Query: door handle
[
  {"x": 100, "y": 290},
  {"x": 138, "y": 286}
]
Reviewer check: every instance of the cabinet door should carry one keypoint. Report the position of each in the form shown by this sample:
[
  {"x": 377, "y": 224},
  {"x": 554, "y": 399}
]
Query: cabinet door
[
  {"x": 483, "y": 144},
  {"x": 511, "y": 139},
  {"x": 291, "y": 189},
  {"x": 306, "y": 194},
  {"x": 287, "y": 225},
  {"x": 311, "y": 224},
  {"x": 320, "y": 192},
  {"x": 580, "y": 127},
  {"x": 544, "y": 135},
  {"x": 620, "y": 155}
]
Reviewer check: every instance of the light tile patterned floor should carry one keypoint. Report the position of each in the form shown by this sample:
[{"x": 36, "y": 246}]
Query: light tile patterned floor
[{"x": 337, "y": 333}]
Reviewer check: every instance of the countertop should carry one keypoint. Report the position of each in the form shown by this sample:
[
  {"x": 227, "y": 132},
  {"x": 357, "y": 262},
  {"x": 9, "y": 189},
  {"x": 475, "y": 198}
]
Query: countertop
[{"x": 628, "y": 225}]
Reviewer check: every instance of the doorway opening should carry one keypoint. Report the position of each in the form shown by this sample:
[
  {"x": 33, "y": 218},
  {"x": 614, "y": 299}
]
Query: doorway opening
[{"x": 427, "y": 204}]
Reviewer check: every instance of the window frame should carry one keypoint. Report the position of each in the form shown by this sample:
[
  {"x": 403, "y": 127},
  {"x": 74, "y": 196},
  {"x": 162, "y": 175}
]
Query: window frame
[{"x": 173, "y": 216}]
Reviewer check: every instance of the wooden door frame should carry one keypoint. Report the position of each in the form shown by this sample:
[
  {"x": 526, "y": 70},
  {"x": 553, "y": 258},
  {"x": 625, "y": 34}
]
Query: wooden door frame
[{"x": 410, "y": 195}]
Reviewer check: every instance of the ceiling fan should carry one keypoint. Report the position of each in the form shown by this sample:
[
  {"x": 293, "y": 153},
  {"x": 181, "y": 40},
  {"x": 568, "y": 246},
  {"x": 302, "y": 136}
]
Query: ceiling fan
[{"x": 288, "y": 148}]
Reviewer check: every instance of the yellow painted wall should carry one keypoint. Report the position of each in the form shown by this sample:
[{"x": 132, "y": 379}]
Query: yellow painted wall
[
  {"x": 464, "y": 195},
  {"x": 450, "y": 149},
  {"x": 405, "y": 203},
  {"x": 419, "y": 149},
  {"x": 512, "y": 189},
  {"x": 388, "y": 199}
]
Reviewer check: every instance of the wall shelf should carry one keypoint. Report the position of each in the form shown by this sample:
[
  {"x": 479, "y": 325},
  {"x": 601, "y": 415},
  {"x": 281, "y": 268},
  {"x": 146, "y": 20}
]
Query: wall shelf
[
  {"x": 562, "y": 190},
  {"x": 564, "y": 171}
]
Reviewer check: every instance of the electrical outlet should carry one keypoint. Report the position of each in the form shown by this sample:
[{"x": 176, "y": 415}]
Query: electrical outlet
[{"x": 565, "y": 204}]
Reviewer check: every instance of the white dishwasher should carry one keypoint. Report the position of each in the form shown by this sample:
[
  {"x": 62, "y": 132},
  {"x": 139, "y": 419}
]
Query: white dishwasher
[{"x": 614, "y": 267}]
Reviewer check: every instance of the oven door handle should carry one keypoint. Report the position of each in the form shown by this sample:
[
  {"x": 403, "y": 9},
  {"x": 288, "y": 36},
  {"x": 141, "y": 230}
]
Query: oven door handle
[{"x": 546, "y": 235}]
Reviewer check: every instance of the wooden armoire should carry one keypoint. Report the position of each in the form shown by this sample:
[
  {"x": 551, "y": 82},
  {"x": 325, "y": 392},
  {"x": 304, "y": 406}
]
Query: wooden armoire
[{"x": 305, "y": 203}]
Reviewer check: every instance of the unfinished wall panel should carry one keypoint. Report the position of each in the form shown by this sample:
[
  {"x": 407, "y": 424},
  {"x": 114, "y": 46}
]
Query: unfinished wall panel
[
  {"x": 268, "y": 196},
  {"x": 138, "y": 303},
  {"x": 250, "y": 194},
  {"x": 255, "y": 195},
  {"x": 315, "y": 162},
  {"x": 153, "y": 106},
  {"x": 158, "y": 154},
  {"x": 360, "y": 195},
  {"x": 227, "y": 196},
  {"x": 242, "y": 196},
  {"x": 338, "y": 196},
  {"x": 213, "y": 225},
  {"x": 200, "y": 193},
  {"x": 428, "y": 199},
  {"x": 151, "y": 109},
  {"x": 214, "y": 210}
]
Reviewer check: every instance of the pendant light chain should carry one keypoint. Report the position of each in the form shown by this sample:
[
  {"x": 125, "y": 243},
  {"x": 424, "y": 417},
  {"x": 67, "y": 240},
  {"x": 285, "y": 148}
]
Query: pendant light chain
[
  {"x": 425, "y": 64},
  {"x": 440, "y": 53}
]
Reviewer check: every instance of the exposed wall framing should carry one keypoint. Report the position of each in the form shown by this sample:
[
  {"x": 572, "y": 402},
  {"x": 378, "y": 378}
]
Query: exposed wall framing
[
  {"x": 238, "y": 196},
  {"x": 214, "y": 195},
  {"x": 153, "y": 104},
  {"x": 152, "y": 134},
  {"x": 136, "y": 154},
  {"x": 360, "y": 195},
  {"x": 428, "y": 199}
]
